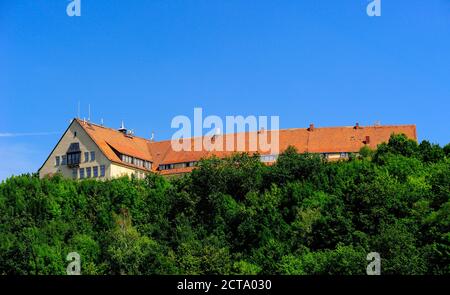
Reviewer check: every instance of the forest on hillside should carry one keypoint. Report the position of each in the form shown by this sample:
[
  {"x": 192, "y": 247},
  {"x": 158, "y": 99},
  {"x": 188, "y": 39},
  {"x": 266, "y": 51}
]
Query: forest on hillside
[{"x": 300, "y": 216}]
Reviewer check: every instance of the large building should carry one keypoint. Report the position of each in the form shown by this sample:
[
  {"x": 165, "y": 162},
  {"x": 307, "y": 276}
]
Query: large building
[{"x": 88, "y": 150}]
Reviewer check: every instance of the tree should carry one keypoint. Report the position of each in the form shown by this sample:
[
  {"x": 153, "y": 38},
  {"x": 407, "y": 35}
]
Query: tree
[
  {"x": 301, "y": 215},
  {"x": 430, "y": 152}
]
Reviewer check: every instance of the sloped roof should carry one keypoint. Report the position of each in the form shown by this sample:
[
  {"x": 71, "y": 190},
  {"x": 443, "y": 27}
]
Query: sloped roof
[
  {"x": 176, "y": 171},
  {"x": 108, "y": 140},
  {"x": 314, "y": 140},
  {"x": 317, "y": 140}
]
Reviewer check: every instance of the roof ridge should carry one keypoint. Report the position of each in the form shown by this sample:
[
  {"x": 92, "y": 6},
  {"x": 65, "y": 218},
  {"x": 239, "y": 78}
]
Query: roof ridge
[
  {"x": 110, "y": 128},
  {"x": 248, "y": 132}
]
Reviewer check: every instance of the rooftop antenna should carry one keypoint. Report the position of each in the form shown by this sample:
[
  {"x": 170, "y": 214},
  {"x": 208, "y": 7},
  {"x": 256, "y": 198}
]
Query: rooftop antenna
[
  {"x": 89, "y": 112},
  {"x": 78, "y": 110},
  {"x": 101, "y": 122}
]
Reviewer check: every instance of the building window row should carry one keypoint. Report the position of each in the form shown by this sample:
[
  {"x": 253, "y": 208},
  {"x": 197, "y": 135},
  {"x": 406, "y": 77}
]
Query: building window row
[
  {"x": 89, "y": 156},
  {"x": 136, "y": 161},
  {"x": 89, "y": 172},
  {"x": 178, "y": 165},
  {"x": 331, "y": 156},
  {"x": 263, "y": 158},
  {"x": 74, "y": 158}
]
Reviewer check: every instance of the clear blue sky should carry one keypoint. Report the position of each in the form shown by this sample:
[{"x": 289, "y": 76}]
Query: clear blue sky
[{"x": 145, "y": 62}]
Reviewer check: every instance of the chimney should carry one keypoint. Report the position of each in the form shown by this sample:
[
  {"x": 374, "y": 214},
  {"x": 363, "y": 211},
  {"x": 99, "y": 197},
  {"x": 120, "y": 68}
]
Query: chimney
[
  {"x": 122, "y": 129},
  {"x": 357, "y": 125},
  {"x": 311, "y": 127},
  {"x": 367, "y": 141},
  {"x": 216, "y": 133}
]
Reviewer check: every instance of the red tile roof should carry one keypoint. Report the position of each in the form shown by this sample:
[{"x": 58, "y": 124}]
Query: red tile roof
[
  {"x": 176, "y": 171},
  {"x": 314, "y": 140},
  {"x": 108, "y": 140}
]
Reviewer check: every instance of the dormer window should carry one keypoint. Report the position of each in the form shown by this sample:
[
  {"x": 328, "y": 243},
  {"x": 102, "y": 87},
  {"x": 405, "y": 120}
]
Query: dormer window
[
  {"x": 127, "y": 159},
  {"x": 136, "y": 161}
]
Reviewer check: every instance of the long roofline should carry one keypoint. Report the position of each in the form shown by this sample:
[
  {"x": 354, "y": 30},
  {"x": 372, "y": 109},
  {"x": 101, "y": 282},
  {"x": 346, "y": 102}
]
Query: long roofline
[
  {"x": 255, "y": 131},
  {"x": 160, "y": 152}
]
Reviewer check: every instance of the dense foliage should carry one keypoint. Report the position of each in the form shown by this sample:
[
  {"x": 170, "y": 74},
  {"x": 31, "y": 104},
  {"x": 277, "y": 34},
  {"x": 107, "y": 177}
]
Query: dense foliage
[{"x": 301, "y": 215}]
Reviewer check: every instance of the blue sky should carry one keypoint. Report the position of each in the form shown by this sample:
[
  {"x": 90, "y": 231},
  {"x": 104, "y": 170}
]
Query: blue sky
[{"x": 144, "y": 62}]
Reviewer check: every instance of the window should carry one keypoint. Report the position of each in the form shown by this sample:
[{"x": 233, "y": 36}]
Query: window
[
  {"x": 73, "y": 159},
  {"x": 92, "y": 156},
  {"x": 86, "y": 157},
  {"x": 138, "y": 162},
  {"x": 88, "y": 172},
  {"x": 74, "y": 173},
  {"x": 332, "y": 156},
  {"x": 73, "y": 154},
  {"x": 172, "y": 166},
  {"x": 344, "y": 155},
  {"x": 102, "y": 170},
  {"x": 191, "y": 164},
  {"x": 81, "y": 173},
  {"x": 269, "y": 158},
  {"x": 95, "y": 171},
  {"x": 57, "y": 160},
  {"x": 130, "y": 160},
  {"x": 179, "y": 165},
  {"x": 64, "y": 160}
]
